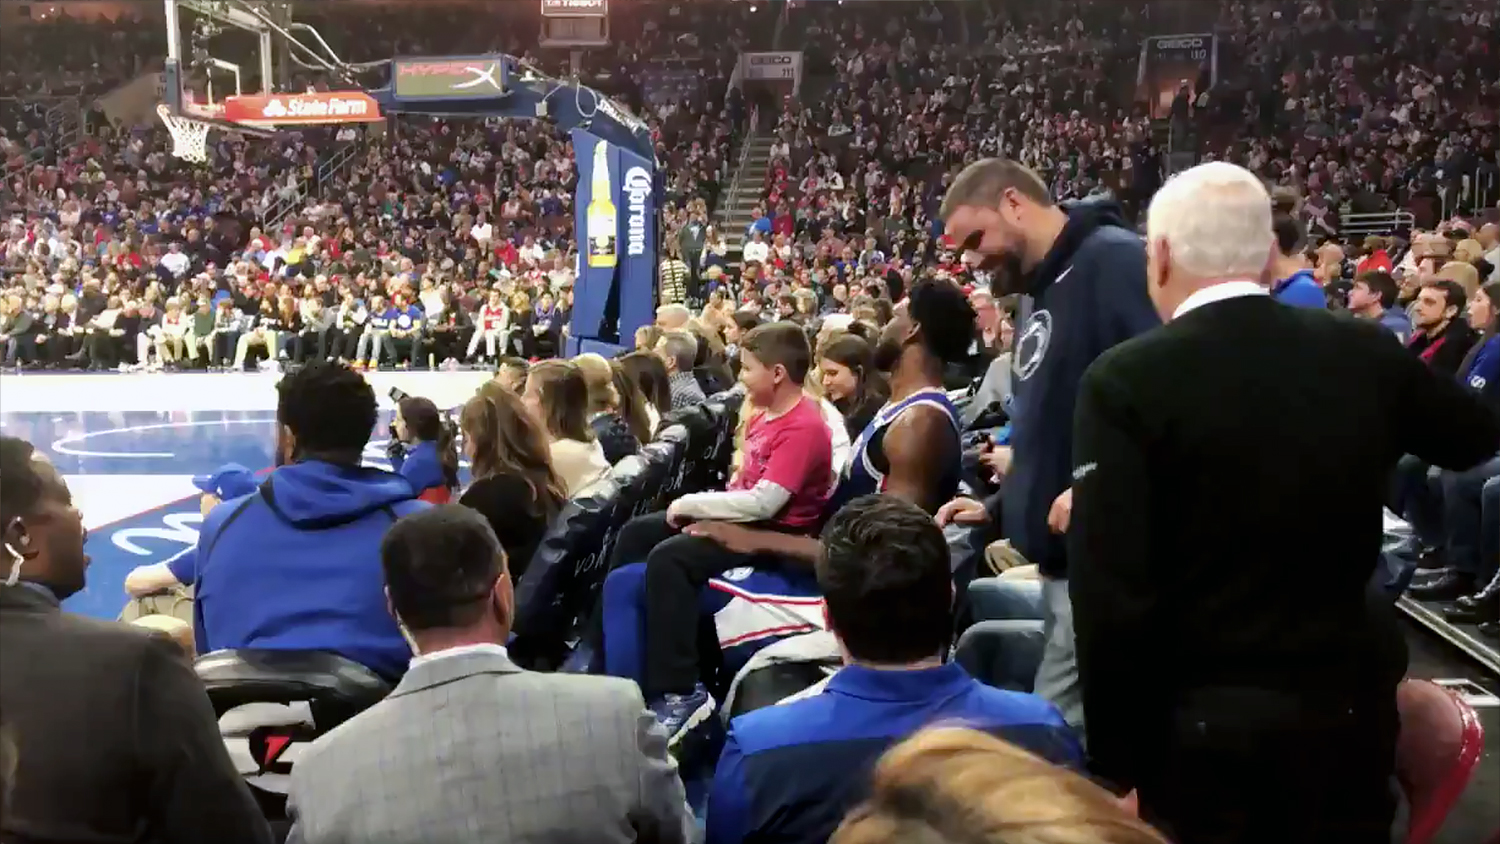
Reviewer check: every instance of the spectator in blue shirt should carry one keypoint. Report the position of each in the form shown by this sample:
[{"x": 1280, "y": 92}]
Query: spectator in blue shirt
[
  {"x": 791, "y": 772},
  {"x": 227, "y": 482},
  {"x": 423, "y": 451},
  {"x": 296, "y": 565},
  {"x": 1373, "y": 296},
  {"x": 1296, "y": 285}
]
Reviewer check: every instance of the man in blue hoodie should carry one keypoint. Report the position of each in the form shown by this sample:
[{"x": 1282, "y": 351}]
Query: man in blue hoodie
[
  {"x": 296, "y": 565},
  {"x": 1082, "y": 277},
  {"x": 1295, "y": 285}
]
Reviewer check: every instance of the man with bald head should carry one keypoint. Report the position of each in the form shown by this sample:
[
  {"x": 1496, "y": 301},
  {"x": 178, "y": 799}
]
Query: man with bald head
[{"x": 1238, "y": 709}]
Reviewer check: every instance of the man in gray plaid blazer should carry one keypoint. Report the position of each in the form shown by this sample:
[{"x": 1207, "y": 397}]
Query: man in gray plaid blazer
[{"x": 470, "y": 748}]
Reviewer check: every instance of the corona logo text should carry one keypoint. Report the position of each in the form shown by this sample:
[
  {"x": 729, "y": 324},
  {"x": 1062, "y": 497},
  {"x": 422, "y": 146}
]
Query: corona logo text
[{"x": 637, "y": 194}]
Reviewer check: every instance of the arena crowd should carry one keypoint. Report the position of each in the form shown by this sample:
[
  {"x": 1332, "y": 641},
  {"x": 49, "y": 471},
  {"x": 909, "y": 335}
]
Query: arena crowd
[{"x": 894, "y": 368}]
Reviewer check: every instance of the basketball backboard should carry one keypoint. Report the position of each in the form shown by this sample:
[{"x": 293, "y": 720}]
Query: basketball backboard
[{"x": 219, "y": 48}]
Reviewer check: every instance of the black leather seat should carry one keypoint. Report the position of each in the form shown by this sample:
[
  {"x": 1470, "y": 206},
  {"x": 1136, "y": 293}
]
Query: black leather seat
[
  {"x": 722, "y": 454},
  {"x": 677, "y": 437},
  {"x": 563, "y": 580},
  {"x": 661, "y": 458},
  {"x": 237, "y": 677},
  {"x": 700, "y": 422},
  {"x": 633, "y": 474}
]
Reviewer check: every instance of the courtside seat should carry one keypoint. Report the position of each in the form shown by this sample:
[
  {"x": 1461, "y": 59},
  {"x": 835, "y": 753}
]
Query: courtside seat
[
  {"x": 699, "y": 422},
  {"x": 563, "y": 580},
  {"x": 723, "y": 448},
  {"x": 679, "y": 437},
  {"x": 662, "y": 457},
  {"x": 237, "y": 677},
  {"x": 633, "y": 474},
  {"x": 272, "y": 705}
]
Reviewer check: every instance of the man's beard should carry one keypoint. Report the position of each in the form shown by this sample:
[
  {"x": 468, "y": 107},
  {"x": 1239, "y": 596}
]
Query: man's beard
[
  {"x": 1007, "y": 278},
  {"x": 887, "y": 354}
]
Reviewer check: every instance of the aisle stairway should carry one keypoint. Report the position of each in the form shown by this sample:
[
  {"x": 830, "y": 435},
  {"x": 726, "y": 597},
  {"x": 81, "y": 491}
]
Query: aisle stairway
[{"x": 748, "y": 188}]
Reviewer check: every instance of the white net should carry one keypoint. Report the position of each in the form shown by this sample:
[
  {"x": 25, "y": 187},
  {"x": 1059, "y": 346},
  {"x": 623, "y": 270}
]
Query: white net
[{"x": 189, "y": 136}]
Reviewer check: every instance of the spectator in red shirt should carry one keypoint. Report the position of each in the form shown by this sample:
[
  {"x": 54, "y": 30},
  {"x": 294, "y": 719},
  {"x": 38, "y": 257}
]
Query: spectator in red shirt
[
  {"x": 782, "y": 485},
  {"x": 1376, "y": 257}
]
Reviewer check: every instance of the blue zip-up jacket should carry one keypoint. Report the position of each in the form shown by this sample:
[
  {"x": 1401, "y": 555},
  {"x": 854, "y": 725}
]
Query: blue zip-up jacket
[
  {"x": 791, "y": 772},
  {"x": 1483, "y": 374},
  {"x": 420, "y": 466},
  {"x": 1300, "y": 289},
  {"x": 1397, "y": 322},
  {"x": 295, "y": 566},
  {"x": 1087, "y": 295}
]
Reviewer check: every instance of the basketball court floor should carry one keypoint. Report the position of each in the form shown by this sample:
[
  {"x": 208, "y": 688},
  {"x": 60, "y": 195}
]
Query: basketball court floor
[{"x": 129, "y": 446}]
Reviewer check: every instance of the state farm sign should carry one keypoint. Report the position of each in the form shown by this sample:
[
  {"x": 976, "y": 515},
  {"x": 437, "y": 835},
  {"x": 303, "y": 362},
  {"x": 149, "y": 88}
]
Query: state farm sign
[{"x": 304, "y": 109}]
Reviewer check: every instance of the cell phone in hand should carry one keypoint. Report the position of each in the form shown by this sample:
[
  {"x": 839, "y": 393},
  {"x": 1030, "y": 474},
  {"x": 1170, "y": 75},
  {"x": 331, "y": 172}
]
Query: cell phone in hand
[{"x": 398, "y": 395}]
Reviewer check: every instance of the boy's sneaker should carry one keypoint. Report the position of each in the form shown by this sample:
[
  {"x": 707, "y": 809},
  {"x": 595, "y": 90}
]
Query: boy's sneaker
[{"x": 679, "y": 714}]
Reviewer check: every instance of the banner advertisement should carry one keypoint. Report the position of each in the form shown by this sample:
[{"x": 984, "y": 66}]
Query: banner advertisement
[
  {"x": 575, "y": 8},
  {"x": 771, "y": 67},
  {"x": 616, "y": 218},
  {"x": 322, "y": 107},
  {"x": 1170, "y": 62},
  {"x": 448, "y": 78}
]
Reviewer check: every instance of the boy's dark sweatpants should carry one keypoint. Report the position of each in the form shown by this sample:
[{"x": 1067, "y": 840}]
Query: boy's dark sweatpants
[{"x": 678, "y": 567}]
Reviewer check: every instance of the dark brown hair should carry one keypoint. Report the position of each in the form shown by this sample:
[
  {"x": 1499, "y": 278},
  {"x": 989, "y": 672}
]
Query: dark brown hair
[
  {"x": 632, "y": 407},
  {"x": 650, "y": 374},
  {"x": 564, "y": 396}
]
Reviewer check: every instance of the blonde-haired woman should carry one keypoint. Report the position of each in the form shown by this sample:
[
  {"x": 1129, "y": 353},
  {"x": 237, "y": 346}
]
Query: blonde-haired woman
[
  {"x": 558, "y": 398},
  {"x": 958, "y": 786},
  {"x": 608, "y": 424}
]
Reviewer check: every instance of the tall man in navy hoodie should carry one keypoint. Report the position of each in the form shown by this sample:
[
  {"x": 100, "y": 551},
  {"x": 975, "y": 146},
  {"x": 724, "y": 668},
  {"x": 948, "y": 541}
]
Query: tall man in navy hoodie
[
  {"x": 295, "y": 566},
  {"x": 1081, "y": 274}
]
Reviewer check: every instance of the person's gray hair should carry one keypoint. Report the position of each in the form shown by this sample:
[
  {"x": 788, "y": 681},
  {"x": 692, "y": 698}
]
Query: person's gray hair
[
  {"x": 675, "y": 311},
  {"x": 681, "y": 347},
  {"x": 984, "y": 182}
]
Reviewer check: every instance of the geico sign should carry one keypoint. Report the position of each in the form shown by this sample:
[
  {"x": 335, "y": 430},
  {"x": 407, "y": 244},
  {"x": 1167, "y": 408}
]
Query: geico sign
[
  {"x": 1179, "y": 43},
  {"x": 771, "y": 59},
  {"x": 637, "y": 194}
]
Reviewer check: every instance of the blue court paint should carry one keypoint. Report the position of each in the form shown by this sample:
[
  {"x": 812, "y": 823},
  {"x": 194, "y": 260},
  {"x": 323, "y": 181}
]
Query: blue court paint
[
  {"x": 155, "y": 536},
  {"x": 166, "y": 444}
]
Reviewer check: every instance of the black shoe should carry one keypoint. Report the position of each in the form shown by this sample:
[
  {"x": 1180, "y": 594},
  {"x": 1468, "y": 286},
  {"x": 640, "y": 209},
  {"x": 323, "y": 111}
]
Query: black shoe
[
  {"x": 1490, "y": 629},
  {"x": 1473, "y": 609},
  {"x": 1447, "y": 587}
]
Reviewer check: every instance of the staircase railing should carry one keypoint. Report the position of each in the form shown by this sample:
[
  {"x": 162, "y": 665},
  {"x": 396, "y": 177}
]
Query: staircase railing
[
  {"x": 1352, "y": 225},
  {"x": 62, "y": 123},
  {"x": 739, "y": 170},
  {"x": 294, "y": 195}
]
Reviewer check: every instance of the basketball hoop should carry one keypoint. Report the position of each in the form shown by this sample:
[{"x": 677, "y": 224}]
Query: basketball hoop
[{"x": 189, "y": 137}]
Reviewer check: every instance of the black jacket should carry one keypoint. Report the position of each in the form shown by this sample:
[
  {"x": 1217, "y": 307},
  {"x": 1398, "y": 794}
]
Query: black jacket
[
  {"x": 1445, "y": 351},
  {"x": 115, "y": 736},
  {"x": 1087, "y": 295},
  {"x": 1231, "y": 471},
  {"x": 614, "y": 437}
]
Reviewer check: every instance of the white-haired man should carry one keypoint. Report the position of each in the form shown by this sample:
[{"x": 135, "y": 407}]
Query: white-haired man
[{"x": 1229, "y": 473}]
